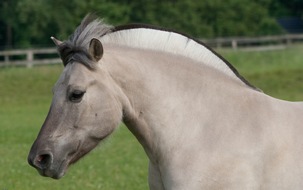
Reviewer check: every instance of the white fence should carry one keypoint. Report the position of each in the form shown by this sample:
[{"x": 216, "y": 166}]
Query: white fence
[
  {"x": 250, "y": 42},
  {"x": 30, "y": 57}
]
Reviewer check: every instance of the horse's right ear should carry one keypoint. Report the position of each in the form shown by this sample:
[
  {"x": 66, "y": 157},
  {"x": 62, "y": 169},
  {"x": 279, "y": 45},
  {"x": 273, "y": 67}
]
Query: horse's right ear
[
  {"x": 95, "y": 49},
  {"x": 56, "y": 41}
]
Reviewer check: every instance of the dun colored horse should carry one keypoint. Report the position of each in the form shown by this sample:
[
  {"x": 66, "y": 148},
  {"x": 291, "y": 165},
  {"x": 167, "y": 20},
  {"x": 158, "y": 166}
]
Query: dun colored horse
[{"x": 201, "y": 124}]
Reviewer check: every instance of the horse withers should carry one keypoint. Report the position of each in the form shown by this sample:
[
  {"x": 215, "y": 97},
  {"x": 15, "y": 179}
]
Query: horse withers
[{"x": 201, "y": 124}]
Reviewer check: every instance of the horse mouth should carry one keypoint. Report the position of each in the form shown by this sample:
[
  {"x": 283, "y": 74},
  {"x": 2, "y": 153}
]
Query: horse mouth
[
  {"x": 50, "y": 165},
  {"x": 55, "y": 173},
  {"x": 71, "y": 158},
  {"x": 55, "y": 168}
]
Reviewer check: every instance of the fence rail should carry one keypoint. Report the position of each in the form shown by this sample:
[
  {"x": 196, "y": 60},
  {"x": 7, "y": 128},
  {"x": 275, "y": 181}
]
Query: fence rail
[
  {"x": 30, "y": 57},
  {"x": 243, "y": 42}
]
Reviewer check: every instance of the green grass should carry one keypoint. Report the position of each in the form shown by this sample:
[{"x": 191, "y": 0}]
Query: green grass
[
  {"x": 278, "y": 73},
  {"x": 120, "y": 162}
]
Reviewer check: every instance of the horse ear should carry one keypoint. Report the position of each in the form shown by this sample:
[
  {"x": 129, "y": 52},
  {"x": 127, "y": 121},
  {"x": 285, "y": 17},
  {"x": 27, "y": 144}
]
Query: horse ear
[
  {"x": 95, "y": 49},
  {"x": 57, "y": 42}
]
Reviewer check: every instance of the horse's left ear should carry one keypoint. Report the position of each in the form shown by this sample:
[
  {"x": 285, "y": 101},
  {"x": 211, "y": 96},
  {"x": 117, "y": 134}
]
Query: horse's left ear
[
  {"x": 56, "y": 41},
  {"x": 95, "y": 49}
]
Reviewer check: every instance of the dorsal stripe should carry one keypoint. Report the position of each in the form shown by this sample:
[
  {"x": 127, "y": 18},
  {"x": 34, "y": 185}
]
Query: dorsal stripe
[{"x": 160, "y": 39}]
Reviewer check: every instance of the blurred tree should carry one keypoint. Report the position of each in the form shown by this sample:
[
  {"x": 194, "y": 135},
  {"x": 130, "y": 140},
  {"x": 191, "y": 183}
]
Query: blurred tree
[
  {"x": 45, "y": 18},
  {"x": 286, "y": 8},
  {"x": 114, "y": 11},
  {"x": 239, "y": 18},
  {"x": 24, "y": 23},
  {"x": 208, "y": 18},
  {"x": 7, "y": 24}
]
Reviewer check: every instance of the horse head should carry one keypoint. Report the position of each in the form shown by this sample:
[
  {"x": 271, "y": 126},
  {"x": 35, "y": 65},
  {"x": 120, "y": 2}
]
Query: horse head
[{"x": 83, "y": 112}]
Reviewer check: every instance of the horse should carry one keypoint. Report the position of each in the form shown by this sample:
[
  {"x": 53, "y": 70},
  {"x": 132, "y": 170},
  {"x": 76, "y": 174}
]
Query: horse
[{"x": 201, "y": 124}]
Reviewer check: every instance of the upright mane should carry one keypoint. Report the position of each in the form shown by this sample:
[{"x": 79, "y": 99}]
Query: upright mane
[
  {"x": 76, "y": 47},
  {"x": 141, "y": 36}
]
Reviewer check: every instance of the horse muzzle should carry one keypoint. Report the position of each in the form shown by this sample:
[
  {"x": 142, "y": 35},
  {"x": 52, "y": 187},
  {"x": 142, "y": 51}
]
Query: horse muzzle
[
  {"x": 46, "y": 165},
  {"x": 47, "y": 161}
]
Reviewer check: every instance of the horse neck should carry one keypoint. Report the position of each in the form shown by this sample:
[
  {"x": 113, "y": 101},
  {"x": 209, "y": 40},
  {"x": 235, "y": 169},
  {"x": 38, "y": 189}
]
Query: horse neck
[{"x": 156, "y": 86}]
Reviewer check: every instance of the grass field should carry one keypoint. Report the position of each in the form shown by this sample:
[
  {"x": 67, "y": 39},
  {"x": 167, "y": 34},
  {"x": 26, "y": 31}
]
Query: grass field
[{"x": 120, "y": 162}]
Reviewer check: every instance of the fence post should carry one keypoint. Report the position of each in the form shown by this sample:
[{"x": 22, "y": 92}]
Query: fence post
[
  {"x": 234, "y": 44},
  {"x": 6, "y": 59},
  {"x": 29, "y": 58},
  {"x": 218, "y": 43},
  {"x": 288, "y": 40}
]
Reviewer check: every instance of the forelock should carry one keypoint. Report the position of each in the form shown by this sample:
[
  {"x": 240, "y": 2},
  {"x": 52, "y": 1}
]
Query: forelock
[{"x": 76, "y": 47}]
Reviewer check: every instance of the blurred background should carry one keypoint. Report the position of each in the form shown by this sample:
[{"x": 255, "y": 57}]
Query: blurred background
[
  {"x": 29, "y": 23},
  {"x": 261, "y": 38}
]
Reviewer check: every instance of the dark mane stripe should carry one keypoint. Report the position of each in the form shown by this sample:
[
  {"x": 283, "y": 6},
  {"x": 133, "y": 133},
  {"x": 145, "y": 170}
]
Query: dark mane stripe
[{"x": 146, "y": 26}]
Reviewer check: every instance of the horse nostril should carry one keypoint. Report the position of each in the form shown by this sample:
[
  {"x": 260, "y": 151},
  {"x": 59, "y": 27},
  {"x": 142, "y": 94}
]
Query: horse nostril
[{"x": 43, "y": 161}]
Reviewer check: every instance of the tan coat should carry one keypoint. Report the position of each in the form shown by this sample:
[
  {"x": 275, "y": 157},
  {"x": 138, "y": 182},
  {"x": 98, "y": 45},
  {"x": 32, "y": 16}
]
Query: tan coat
[{"x": 201, "y": 124}]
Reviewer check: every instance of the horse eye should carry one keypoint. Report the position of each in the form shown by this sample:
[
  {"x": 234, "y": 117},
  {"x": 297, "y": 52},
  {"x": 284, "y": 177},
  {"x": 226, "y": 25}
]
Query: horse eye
[{"x": 76, "y": 96}]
